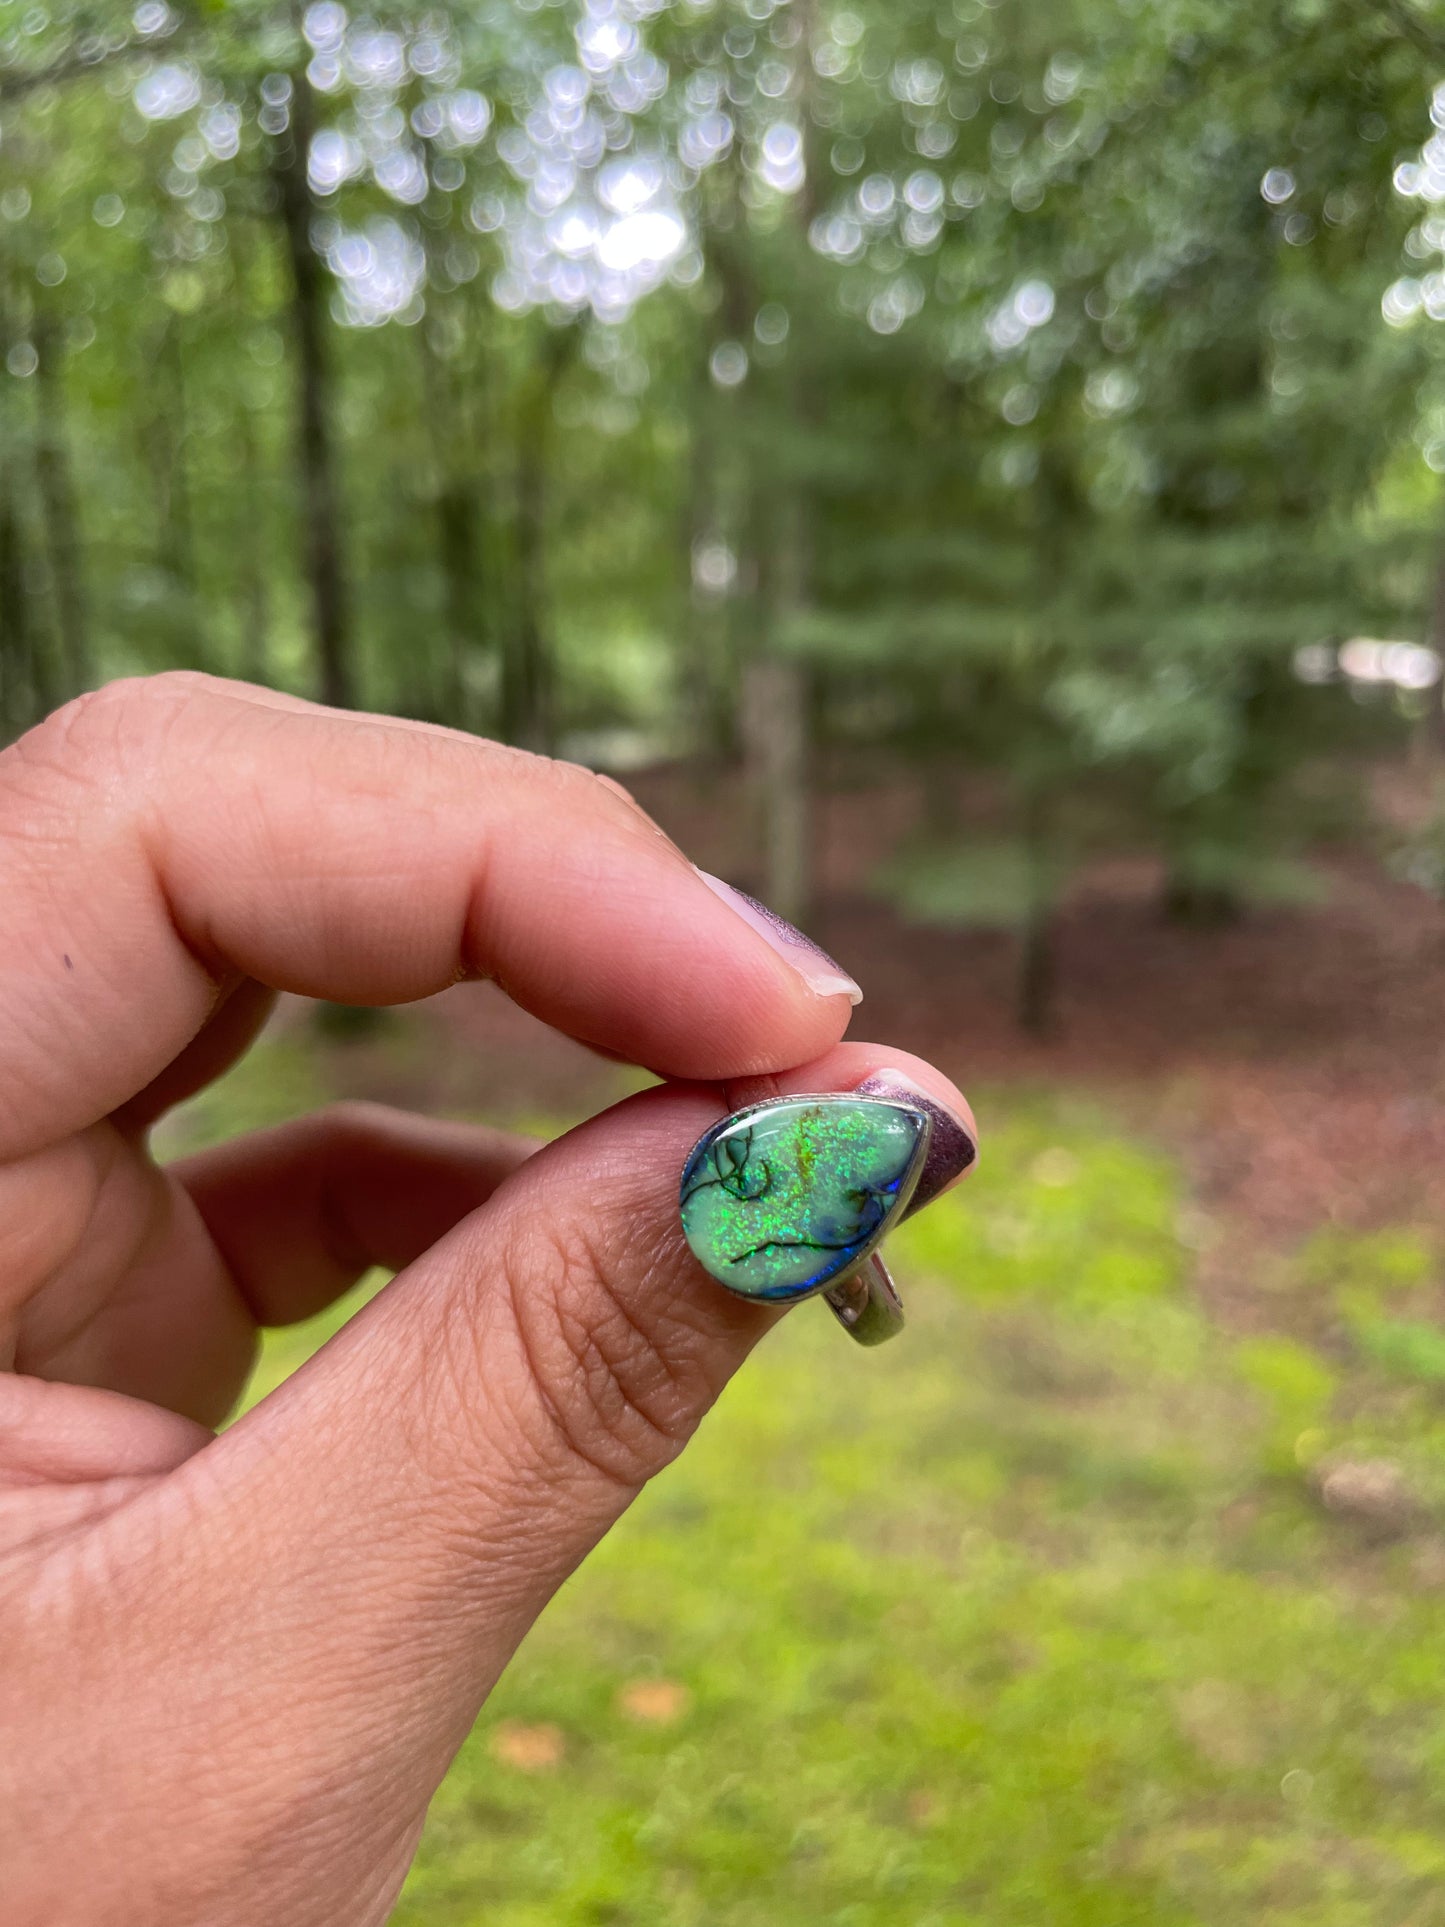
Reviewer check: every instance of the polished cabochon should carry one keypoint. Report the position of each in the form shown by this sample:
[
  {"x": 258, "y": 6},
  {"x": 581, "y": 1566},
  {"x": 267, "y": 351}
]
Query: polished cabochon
[{"x": 782, "y": 1198}]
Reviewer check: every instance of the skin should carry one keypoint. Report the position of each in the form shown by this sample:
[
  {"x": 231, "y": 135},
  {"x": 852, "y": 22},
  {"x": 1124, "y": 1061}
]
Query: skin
[{"x": 236, "y": 1667}]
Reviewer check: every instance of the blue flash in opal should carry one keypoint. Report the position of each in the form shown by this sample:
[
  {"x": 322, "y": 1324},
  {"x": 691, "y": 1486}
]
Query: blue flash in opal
[{"x": 784, "y": 1197}]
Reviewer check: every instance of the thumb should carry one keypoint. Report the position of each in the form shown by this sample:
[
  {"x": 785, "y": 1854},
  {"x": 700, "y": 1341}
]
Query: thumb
[
  {"x": 335, "y": 1583},
  {"x": 500, "y": 1405}
]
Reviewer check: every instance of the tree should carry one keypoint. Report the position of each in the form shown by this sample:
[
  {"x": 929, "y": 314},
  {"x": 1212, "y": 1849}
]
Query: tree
[{"x": 989, "y": 388}]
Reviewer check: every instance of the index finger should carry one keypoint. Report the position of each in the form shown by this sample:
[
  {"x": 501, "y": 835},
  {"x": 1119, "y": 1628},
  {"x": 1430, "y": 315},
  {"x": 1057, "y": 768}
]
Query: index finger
[{"x": 161, "y": 837}]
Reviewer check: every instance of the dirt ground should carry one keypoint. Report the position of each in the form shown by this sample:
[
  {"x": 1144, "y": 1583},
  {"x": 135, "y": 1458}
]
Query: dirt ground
[{"x": 1295, "y": 1060}]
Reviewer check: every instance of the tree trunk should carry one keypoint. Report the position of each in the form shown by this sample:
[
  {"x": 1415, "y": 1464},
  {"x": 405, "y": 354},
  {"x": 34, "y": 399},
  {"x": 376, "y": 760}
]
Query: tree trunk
[
  {"x": 735, "y": 484},
  {"x": 18, "y": 694},
  {"x": 178, "y": 535},
  {"x": 942, "y": 805},
  {"x": 251, "y": 536},
  {"x": 59, "y": 509},
  {"x": 528, "y": 717},
  {"x": 707, "y": 699},
  {"x": 18, "y": 706},
  {"x": 1038, "y": 966},
  {"x": 455, "y": 501},
  {"x": 491, "y": 483},
  {"x": 315, "y": 458},
  {"x": 526, "y": 668},
  {"x": 1199, "y": 905},
  {"x": 775, "y": 741},
  {"x": 1435, "y": 637},
  {"x": 774, "y": 520},
  {"x": 777, "y": 694},
  {"x": 456, "y": 551},
  {"x": 1038, "y": 973}
]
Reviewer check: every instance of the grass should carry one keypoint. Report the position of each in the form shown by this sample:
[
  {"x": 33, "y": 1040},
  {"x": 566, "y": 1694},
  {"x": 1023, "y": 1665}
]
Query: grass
[{"x": 1031, "y": 1618}]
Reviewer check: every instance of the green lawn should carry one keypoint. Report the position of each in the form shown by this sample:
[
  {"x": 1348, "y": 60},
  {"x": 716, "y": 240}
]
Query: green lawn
[{"x": 1032, "y": 1617}]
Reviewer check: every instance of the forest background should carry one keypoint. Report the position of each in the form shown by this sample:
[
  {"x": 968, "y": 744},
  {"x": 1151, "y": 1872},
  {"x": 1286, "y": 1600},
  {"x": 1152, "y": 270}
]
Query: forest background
[{"x": 976, "y": 471}]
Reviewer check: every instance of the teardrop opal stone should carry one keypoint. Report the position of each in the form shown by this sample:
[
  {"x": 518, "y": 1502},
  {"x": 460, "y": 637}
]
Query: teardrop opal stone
[{"x": 782, "y": 1198}]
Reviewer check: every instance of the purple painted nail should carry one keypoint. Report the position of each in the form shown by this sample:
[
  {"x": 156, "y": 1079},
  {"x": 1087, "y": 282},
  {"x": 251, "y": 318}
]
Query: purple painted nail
[
  {"x": 951, "y": 1149},
  {"x": 809, "y": 959}
]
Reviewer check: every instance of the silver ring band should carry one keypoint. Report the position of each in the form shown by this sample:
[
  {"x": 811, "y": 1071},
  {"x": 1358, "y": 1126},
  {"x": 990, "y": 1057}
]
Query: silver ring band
[{"x": 866, "y": 1303}]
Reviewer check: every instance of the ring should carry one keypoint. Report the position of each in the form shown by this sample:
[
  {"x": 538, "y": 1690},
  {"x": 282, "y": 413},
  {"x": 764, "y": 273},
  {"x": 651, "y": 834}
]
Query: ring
[
  {"x": 791, "y": 1198},
  {"x": 866, "y": 1303}
]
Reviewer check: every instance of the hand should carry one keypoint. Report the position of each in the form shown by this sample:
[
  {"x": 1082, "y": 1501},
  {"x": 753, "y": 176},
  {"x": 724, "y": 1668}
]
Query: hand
[{"x": 235, "y": 1668}]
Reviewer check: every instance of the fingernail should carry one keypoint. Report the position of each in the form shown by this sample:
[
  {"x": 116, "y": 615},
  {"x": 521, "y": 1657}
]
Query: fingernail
[
  {"x": 811, "y": 962},
  {"x": 951, "y": 1149}
]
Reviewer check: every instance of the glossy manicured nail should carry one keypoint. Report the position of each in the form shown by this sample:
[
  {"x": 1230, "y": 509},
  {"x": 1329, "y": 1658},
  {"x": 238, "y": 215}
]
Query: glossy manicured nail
[
  {"x": 811, "y": 962},
  {"x": 951, "y": 1149}
]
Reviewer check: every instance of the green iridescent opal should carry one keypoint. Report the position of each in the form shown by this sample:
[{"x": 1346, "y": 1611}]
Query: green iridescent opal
[{"x": 781, "y": 1199}]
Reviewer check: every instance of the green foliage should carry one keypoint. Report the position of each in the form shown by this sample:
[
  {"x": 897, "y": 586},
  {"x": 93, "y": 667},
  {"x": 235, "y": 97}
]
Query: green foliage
[
  {"x": 1042, "y": 402},
  {"x": 1260, "y": 879},
  {"x": 1404, "y": 1346},
  {"x": 1297, "y": 1391},
  {"x": 1367, "y": 1270},
  {"x": 979, "y": 886},
  {"x": 1385, "y": 1289}
]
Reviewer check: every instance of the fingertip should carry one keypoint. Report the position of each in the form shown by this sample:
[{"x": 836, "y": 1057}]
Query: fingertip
[
  {"x": 900, "y": 1065},
  {"x": 848, "y": 1065},
  {"x": 823, "y": 974},
  {"x": 878, "y": 1070},
  {"x": 695, "y": 990}
]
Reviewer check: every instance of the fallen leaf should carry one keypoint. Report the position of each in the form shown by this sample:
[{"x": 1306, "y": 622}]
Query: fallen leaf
[
  {"x": 529, "y": 1749},
  {"x": 654, "y": 1702}
]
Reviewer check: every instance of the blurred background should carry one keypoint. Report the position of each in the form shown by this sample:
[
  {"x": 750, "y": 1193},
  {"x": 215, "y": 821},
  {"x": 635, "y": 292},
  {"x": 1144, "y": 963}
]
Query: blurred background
[{"x": 975, "y": 470}]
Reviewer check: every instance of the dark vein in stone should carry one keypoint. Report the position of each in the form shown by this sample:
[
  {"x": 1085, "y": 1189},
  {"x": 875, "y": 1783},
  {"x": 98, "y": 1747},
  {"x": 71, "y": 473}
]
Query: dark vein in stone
[{"x": 797, "y": 1244}]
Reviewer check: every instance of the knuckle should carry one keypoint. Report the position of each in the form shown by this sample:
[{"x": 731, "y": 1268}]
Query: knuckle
[
  {"x": 126, "y": 710},
  {"x": 601, "y": 1366},
  {"x": 610, "y": 799},
  {"x": 551, "y": 784},
  {"x": 606, "y": 799},
  {"x": 621, "y": 791},
  {"x": 588, "y": 790},
  {"x": 55, "y": 778},
  {"x": 60, "y": 746},
  {"x": 106, "y": 732}
]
